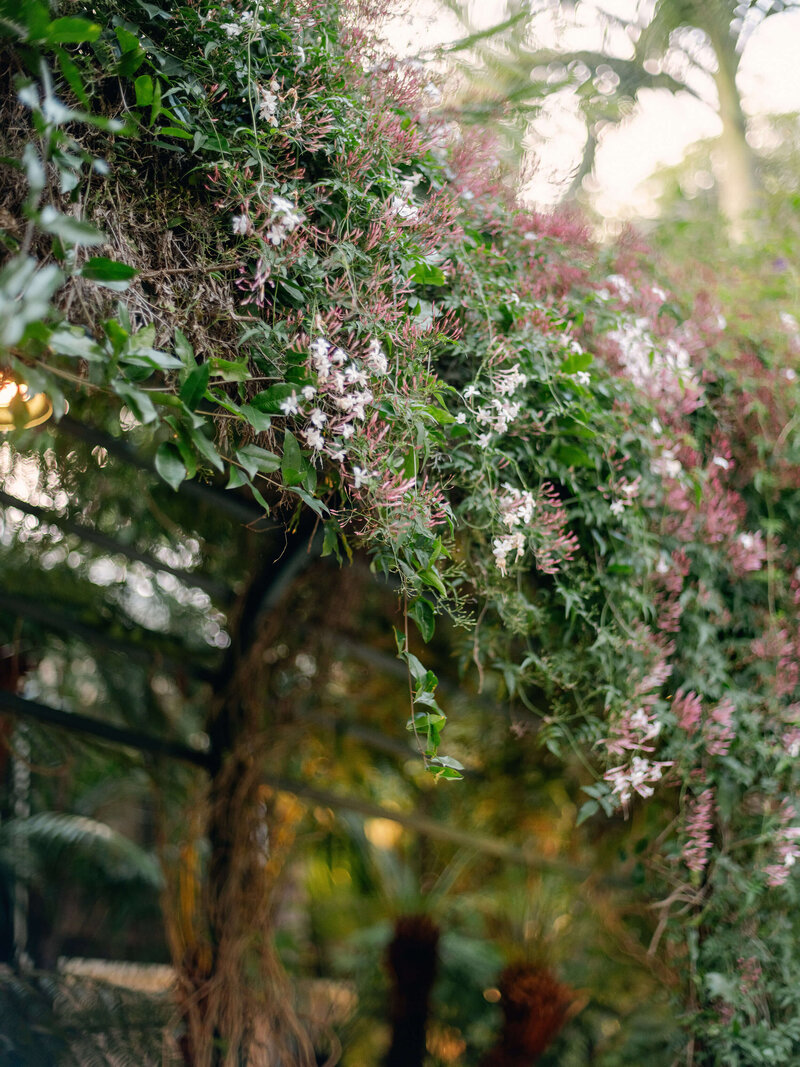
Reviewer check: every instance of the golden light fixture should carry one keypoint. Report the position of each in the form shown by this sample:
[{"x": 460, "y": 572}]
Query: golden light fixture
[{"x": 19, "y": 408}]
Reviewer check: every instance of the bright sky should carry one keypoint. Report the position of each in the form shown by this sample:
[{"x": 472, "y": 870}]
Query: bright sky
[{"x": 660, "y": 129}]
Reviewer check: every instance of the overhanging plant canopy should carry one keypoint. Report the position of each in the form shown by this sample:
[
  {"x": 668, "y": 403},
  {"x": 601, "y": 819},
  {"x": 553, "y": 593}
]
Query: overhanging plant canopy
[{"x": 250, "y": 240}]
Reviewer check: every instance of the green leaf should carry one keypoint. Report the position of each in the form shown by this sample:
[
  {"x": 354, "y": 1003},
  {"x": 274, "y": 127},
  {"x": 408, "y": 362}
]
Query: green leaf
[
  {"x": 578, "y": 361},
  {"x": 430, "y": 576},
  {"x": 155, "y": 109},
  {"x": 72, "y": 75},
  {"x": 257, "y": 460},
  {"x": 170, "y": 465},
  {"x": 71, "y": 31},
  {"x": 137, "y": 400},
  {"x": 448, "y": 761},
  {"x": 292, "y": 464},
  {"x": 257, "y": 419},
  {"x": 143, "y": 87},
  {"x": 588, "y": 809},
  {"x": 572, "y": 456},
  {"x": 229, "y": 371},
  {"x": 183, "y": 350},
  {"x": 70, "y": 230},
  {"x": 311, "y": 501},
  {"x": 128, "y": 42},
  {"x": 72, "y": 341},
  {"x": 194, "y": 388},
  {"x": 426, "y": 274},
  {"x": 101, "y": 269},
  {"x": 175, "y": 131},
  {"x": 236, "y": 479},
  {"x": 421, "y": 611},
  {"x": 205, "y": 448},
  {"x": 269, "y": 400}
]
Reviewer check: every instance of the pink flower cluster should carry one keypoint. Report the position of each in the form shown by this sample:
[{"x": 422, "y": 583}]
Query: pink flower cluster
[{"x": 699, "y": 823}]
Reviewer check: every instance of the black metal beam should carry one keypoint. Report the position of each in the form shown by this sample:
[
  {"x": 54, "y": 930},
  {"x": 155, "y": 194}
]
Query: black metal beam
[
  {"x": 11, "y": 704},
  {"x": 218, "y": 590},
  {"x": 237, "y": 507},
  {"x": 140, "y": 648}
]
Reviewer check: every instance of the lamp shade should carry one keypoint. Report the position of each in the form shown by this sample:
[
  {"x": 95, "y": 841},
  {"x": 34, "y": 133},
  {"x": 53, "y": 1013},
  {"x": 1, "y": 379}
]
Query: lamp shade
[{"x": 20, "y": 409}]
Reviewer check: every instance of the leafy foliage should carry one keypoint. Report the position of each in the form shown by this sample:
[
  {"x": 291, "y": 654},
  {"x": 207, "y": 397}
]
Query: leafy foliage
[{"x": 527, "y": 431}]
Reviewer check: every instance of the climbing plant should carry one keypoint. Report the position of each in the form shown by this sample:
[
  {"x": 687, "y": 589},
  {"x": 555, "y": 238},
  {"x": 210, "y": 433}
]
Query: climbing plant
[{"x": 252, "y": 232}]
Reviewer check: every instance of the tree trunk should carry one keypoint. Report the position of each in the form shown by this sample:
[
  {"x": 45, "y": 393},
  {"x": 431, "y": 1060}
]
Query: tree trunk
[
  {"x": 735, "y": 166},
  {"x": 412, "y": 960}
]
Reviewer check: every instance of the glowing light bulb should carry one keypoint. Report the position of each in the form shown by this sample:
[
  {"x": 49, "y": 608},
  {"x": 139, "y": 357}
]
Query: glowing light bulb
[
  {"x": 19, "y": 409},
  {"x": 8, "y": 390}
]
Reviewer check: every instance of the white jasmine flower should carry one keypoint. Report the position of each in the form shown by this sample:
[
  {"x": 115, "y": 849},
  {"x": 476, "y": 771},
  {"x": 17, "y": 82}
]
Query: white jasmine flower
[
  {"x": 360, "y": 477},
  {"x": 402, "y": 209},
  {"x": 313, "y": 438},
  {"x": 338, "y": 357},
  {"x": 274, "y": 86},
  {"x": 789, "y": 374},
  {"x": 280, "y": 203},
  {"x": 232, "y": 29},
  {"x": 375, "y": 360},
  {"x": 268, "y": 107},
  {"x": 241, "y": 224},
  {"x": 289, "y": 405},
  {"x": 583, "y": 377},
  {"x": 337, "y": 454},
  {"x": 318, "y": 418},
  {"x": 347, "y": 431},
  {"x": 470, "y": 392},
  {"x": 353, "y": 376},
  {"x": 461, "y": 418},
  {"x": 617, "y": 507},
  {"x": 720, "y": 461},
  {"x": 484, "y": 440},
  {"x": 309, "y": 392}
]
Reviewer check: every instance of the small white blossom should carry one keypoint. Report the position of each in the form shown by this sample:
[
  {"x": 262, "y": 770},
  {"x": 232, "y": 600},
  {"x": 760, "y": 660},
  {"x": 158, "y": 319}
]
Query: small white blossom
[
  {"x": 337, "y": 454},
  {"x": 313, "y": 438},
  {"x": 461, "y": 418},
  {"x": 360, "y": 477},
  {"x": 318, "y": 418},
  {"x": 241, "y": 224},
  {"x": 403, "y": 209},
  {"x": 470, "y": 392},
  {"x": 347, "y": 431},
  {"x": 268, "y": 107},
  {"x": 617, "y": 507},
  {"x": 375, "y": 360},
  {"x": 289, "y": 405},
  {"x": 720, "y": 461},
  {"x": 309, "y": 392},
  {"x": 583, "y": 377}
]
